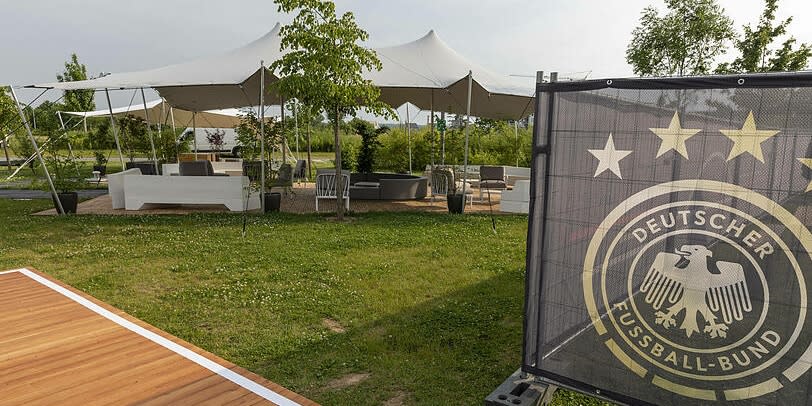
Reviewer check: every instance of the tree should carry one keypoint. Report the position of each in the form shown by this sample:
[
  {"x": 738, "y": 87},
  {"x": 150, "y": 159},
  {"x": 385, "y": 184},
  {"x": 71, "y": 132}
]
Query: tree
[
  {"x": 685, "y": 41},
  {"x": 47, "y": 118},
  {"x": 8, "y": 121},
  {"x": 754, "y": 46},
  {"x": 369, "y": 143},
  {"x": 323, "y": 66},
  {"x": 76, "y": 100}
]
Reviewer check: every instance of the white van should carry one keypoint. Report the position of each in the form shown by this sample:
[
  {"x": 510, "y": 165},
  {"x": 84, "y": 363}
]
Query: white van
[{"x": 230, "y": 144}]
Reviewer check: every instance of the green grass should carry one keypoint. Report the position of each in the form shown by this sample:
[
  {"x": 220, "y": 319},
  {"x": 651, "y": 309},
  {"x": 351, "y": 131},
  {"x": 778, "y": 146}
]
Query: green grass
[{"x": 431, "y": 303}]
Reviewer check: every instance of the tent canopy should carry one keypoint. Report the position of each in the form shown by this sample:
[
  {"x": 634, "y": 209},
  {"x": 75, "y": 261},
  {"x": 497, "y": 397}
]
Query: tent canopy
[
  {"x": 430, "y": 74},
  {"x": 226, "y": 80},
  {"x": 226, "y": 118}
]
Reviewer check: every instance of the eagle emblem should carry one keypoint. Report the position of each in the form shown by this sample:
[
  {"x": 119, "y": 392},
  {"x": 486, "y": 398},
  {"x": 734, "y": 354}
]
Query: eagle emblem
[{"x": 689, "y": 280}]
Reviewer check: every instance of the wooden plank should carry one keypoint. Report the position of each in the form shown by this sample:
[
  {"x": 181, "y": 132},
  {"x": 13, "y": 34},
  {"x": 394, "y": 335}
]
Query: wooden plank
[{"x": 58, "y": 350}]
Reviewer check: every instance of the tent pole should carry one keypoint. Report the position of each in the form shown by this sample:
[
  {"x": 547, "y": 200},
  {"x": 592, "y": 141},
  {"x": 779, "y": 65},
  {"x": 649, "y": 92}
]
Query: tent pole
[
  {"x": 409, "y": 136},
  {"x": 309, "y": 153},
  {"x": 284, "y": 146},
  {"x": 61, "y": 210},
  {"x": 518, "y": 147},
  {"x": 85, "y": 123},
  {"x": 149, "y": 131},
  {"x": 5, "y": 149},
  {"x": 442, "y": 140},
  {"x": 162, "y": 118},
  {"x": 262, "y": 134},
  {"x": 194, "y": 132},
  {"x": 465, "y": 157},
  {"x": 113, "y": 128},
  {"x": 172, "y": 119},
  {"x": 431, "y": 124}
]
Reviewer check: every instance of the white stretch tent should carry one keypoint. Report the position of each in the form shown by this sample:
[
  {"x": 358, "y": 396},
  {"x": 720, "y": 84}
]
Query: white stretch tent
[
  {"x": 159, "y": 112},
  {"x": 432, "y": 76},
  {"x": 230, "y": 79}
]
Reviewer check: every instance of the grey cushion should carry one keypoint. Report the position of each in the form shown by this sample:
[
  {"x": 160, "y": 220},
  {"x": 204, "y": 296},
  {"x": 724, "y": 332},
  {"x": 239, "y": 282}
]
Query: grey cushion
[
  {"x": 195, "y": 168},
  {"x": 492, "y": 173}
]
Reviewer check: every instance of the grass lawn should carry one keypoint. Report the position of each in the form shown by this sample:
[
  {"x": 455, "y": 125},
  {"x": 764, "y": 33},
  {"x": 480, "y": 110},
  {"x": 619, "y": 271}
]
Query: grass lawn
[{"x": 430, "y": 305}]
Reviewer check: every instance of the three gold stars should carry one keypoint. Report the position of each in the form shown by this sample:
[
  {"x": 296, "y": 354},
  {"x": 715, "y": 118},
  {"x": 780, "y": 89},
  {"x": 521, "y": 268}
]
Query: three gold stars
[
  {"x": 674, "y": 137},
  {"x": 748, "y": 139}
]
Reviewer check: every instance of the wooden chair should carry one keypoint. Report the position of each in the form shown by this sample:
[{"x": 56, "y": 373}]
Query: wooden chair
[{"x": 326, "y": 188}]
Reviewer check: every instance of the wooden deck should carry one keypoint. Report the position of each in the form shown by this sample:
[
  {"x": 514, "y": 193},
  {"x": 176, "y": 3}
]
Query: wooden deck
[{"x": 60, "y": 346}]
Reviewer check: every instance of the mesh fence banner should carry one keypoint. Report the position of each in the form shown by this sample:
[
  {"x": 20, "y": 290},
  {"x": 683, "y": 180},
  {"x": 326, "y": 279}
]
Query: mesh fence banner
[{"x": 669, "y": 245}]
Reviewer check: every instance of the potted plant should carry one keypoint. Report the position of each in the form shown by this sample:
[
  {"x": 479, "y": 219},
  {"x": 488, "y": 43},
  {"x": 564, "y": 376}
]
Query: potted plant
[
  {"x": 101, "y": 163},
  {"x": 454, "y": 198},
  {"x": 64, "y": 175}
]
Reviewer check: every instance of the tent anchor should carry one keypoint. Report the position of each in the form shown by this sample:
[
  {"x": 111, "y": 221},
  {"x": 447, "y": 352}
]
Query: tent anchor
[{"x": 521, "y": 389}]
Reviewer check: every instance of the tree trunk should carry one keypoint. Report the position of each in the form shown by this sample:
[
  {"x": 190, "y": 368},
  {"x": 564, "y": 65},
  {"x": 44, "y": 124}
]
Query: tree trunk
[
  {"x": 339, "y": 178},
  {"x": 5, "y": 149}
]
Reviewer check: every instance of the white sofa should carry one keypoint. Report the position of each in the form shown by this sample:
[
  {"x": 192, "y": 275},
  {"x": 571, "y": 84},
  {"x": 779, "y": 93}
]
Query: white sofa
[
  {"x": 516, "y": 200},
  {"x": 136, "y": 190}
]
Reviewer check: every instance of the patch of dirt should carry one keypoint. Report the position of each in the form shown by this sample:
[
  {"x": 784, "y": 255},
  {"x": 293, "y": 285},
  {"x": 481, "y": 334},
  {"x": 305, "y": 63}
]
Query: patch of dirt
[
  {"x": 398, "y": 400},
  {"x": 346, "y": 381},
  {"x": 333, "y": 325}
]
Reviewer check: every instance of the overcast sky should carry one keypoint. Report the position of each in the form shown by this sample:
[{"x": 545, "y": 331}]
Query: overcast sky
[{"x": 507, "y": 36}]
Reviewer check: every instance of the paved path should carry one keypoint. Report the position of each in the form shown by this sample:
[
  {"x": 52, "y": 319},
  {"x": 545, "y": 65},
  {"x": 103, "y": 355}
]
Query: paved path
[{"x": 41, "y": 194}]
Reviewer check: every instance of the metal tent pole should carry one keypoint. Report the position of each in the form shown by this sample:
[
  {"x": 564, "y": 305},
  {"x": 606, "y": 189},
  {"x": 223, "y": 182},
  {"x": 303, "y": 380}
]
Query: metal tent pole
[
  {"x": 194, "y": 132},
  {"x": 172, "y": 119},
  {"x": 409, "y": 137},
  {"x": 442, "y": 140},
  {"x": 262, "y": 134},
  {"x": 113, "y": 128},
  {"x": 284, "y": 146},
  {"x": 431, "y": 123},
  {"x": 36, "y": 148},
  {"x": 5, "y": 149},
  {"x": 518, "y": 146},
  {"x": 465, "y": 157},
  {"x": 149, "y": 132}
]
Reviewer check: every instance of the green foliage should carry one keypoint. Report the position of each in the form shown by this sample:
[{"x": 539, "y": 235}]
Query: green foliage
[
  {"x": 101, "y": 159},
  {"x": 166, "y": 146},
  {"x": 61, "y": 166},
  {"x": 101, "y": 137},
  {"x": 76, "y": 100},
  {"x": 349, "y": 156},
  {"x": 22, "y": 147},
  {"x": 754, "y": 46},
  {"x": 369, "y": 143},
  {"x": 133, "y": 136},
  {"x": 248, "y": 135},
  {"x": 685, "y": 41},
  {"x": 47, "y": 118},
  {"x": 9, "y": 117}
]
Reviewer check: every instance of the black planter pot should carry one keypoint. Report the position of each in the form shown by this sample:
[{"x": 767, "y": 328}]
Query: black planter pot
[
  {"x": 101, "y": 168},
  {"x": 69, "y": 201},
  {"x": 272, "y": 201},
  {"x": 456, "y": 203}
]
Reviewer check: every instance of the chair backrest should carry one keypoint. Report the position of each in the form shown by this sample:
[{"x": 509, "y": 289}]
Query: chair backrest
[
  {"x": 441, "y": 181},
  {"x": 491, "y": 172},
  {"x": 326, "y": 185},
  {"x": 146, "y": 167},
  {"x": 284, "y": 176},
  {"x": 195, "y": 168},
  {"x": 299, "y": 170}
]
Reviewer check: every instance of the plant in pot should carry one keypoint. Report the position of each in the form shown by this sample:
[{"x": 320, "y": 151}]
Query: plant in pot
[
  {"x": 64, "y": 174},
  {"x": 250, "y": 148},
  {"x": 455, "y": 198},
  {"x": 216, "y": 139},
  {"x": 101, "y": 163}
]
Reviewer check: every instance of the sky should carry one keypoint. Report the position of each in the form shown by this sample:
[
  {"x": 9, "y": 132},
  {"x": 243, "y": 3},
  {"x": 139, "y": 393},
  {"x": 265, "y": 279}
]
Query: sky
[{"x": 512, "y": 37}]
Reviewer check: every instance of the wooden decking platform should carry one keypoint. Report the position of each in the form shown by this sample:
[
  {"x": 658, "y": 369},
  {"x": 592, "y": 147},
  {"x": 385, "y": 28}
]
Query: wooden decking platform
[{"x": 60, "y": 346}]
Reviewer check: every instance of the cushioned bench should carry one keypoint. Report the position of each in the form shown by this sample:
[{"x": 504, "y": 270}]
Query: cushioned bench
[{"x": 387, "y": 186}]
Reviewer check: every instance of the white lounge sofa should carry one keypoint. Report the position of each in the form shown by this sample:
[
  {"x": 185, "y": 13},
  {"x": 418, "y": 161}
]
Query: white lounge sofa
[
  {"x": 516, "y": 200},
  {"x": 115, "y": 186},
  {"x": 138, "y": 190}
]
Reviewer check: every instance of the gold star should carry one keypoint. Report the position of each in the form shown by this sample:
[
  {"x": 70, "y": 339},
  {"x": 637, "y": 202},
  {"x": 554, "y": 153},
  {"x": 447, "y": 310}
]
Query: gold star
[
  {"x": 748, "y": 139},
  {"x": 674, "y": 137},
  {"x": 808, "y": 163},
  {"x": 609, "y": 158}
]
